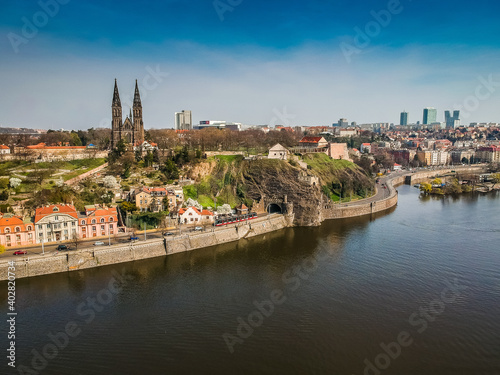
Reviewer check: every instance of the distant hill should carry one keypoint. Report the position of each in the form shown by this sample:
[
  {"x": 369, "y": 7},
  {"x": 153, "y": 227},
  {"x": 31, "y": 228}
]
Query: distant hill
[{"x": 5, "y": 130}]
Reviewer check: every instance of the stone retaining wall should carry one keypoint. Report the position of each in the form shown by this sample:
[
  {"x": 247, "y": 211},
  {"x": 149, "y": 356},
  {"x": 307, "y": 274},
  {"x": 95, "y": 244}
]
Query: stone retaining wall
[{"x": 78, "y": 260}]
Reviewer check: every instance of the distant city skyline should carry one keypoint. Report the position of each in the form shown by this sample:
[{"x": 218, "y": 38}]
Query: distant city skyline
[{"x": 257, "y": 63}]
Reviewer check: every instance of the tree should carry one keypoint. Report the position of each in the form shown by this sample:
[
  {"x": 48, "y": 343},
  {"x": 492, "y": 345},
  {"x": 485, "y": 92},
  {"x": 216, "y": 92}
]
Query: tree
[
  {"x": 225, "y": 209},
  {"x": 110, "y": 182},
  {"x": 193, "y": 203},
  {"x": 2, "y": 249},
  {"x": 496, "y": 179},
  {"x": 4, "y": 183},
  {"x": 426, "y": 188},
  {"x": 128, "y": 206},
  {"x": 437, "y": 181},
  {"x": 75, "y": 240},
  {"x": 14, "y": 182}
]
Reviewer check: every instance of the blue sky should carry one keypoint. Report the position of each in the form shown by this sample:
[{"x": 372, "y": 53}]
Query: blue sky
[{"x": 255, "y": 62}]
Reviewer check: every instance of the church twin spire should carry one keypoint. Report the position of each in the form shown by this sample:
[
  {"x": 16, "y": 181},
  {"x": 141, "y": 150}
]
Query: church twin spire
[{"x": 132, "y": 130}]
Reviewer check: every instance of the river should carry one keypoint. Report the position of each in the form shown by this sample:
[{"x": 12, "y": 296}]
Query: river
[{"x": 413, "y": 291}]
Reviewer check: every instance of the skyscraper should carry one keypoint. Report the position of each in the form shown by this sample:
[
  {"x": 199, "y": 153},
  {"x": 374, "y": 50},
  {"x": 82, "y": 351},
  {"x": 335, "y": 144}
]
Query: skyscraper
[
  {"x": 430, "y": 115},
  {"x": 403, "y": 120},
  {"x": 451, "y": 121},
  {"x": 183, "y": 120}
]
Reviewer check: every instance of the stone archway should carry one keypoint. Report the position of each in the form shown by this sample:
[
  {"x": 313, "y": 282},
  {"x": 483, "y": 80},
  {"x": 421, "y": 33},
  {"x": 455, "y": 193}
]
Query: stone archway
[{"x": 274, "y": 208}]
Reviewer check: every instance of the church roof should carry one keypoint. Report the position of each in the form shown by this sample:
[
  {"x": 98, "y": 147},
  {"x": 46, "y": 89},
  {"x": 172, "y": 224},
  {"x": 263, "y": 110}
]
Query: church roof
[
  {"x": 137, "y": 97},
  {"x": 116, "y": 96}
]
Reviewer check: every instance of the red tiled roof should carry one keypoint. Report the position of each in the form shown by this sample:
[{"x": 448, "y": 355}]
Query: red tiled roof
[
  {"x": 310, "y": 140},
  {"x": 182, "y": 210},
  {"x": 3, "y": 147},
  {"x": 11, "y": 223},
  {"x": 67, "y": 209}
]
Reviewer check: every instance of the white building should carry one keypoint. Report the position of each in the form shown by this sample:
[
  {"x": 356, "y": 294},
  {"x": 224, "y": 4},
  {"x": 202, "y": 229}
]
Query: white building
[
  {"x": 278, "y": 152},
  {"x": 191, "y": 215},
  {"x": 4, "y": 149},
  {"x": 183, "y": 120}
]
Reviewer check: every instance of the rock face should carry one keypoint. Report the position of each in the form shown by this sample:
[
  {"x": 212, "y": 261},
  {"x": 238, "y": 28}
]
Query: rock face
[{"x": 271, "y": 178}]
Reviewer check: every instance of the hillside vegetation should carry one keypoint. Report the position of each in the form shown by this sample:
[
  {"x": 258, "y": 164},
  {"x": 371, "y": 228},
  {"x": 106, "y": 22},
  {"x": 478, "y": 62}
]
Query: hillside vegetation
[{"x": 233, "y": 180}]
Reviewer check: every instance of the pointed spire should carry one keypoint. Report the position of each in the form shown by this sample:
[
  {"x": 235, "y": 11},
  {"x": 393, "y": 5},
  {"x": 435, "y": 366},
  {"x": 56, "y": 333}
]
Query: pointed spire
[
  {"x": 116, "y": 96},
  {"x": 137, "y": 97},
  {"x": 130, "y": 115}
]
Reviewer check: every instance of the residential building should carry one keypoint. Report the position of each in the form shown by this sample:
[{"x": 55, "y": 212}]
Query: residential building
[
  {"x": 366, "y": 148},
  {"x": 313, "y": 142},
  {"x": 489, "y": 154},
  {"x": 278, "y": 152},
  {"x": 191, "y": 215},
  {"x": 56, "y": 222},
  {"x": 14, "y": 231},
  {"x": 4, "y": 149},
  {"x": 98, "y": 221},
  {"x": 183, "y": 120},
  {"x": 430, "y": 115}
]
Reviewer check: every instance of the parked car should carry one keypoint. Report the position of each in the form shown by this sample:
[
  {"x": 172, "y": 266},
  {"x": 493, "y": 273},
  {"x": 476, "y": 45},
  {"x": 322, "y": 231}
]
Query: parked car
[
  {"x": 168, "y": 233},
  {"x": 134, "y": 238},
  {"x": 98, "y": 243},
  {"x": 62, "y": 247},
  {"x": 20, "y": 252},
  {"x": 198, "y": 228}
]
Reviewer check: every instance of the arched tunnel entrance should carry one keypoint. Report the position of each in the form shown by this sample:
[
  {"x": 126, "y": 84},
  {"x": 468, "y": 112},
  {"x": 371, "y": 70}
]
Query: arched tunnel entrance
[{"x": 274, "y": 208}]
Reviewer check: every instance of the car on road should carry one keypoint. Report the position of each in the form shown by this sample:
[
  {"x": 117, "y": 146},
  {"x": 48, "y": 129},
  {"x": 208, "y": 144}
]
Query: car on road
[
  {"x": 134, "y": 238},
  {"x": 62, "y": 247},
  {"x": 98, "y": 243},
  {"x": 168, "y": 233},
  {"x": 20, "y": 252},
  {"x": 198, "y": 228}
]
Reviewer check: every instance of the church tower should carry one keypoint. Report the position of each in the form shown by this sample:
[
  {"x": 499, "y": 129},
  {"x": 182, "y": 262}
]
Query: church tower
[
  {"x": 132, "y": 129},
  {"x": 116, "y": 122},
  {"x": 138, "y": 125}
]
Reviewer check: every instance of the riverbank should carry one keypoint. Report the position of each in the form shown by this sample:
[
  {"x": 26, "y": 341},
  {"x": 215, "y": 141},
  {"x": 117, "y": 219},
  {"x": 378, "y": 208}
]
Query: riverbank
[
  {"x": 383, "y": 200},
  {"x": 78, "y": 260}
]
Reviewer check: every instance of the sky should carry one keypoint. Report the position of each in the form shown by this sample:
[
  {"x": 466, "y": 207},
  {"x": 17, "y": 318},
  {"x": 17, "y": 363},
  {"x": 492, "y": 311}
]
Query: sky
[{"x": 256, "y": 62}]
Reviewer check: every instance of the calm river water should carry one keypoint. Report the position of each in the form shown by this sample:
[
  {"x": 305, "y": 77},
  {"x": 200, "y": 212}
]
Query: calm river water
[{"x": 414, "y": 291}]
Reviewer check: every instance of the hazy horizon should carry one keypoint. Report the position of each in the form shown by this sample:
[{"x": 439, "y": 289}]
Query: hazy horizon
[{"x": 256, "y": 63}]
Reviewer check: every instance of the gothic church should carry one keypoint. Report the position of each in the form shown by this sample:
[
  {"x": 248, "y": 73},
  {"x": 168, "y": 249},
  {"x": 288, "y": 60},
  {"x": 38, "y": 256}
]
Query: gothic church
[{"x": 132, "y": 129}]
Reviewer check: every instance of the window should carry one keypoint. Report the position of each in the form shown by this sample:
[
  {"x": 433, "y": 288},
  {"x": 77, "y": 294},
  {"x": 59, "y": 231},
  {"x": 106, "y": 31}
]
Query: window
[
  {"x": 18, "y": 239},
  {"x": 93, "y": 221},
  {"x": 110, "y": 219},
  {"x": 73, "y": 223},
  {"x": 65, "y": 224},
  {"x": 102, "y": 227},
  {"x": 83, "y": 222},
  {"x": 28, "y": 227},
  {"x": 40, "y": 227},
  {"x": 17, "y": 229},
  {"x": 7, "y": 238},
  {"x": 102, "y": 220},
  {"x": 93, "y": 228},
  {"x": 56, "y": 218},
  {"x": 65, "y": 232},
  {"x": 55, "y": 209},
  {"x": 7, "y": 230}
]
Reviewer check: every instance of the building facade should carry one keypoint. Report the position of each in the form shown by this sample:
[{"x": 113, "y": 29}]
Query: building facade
[
  {"x": 14, "y": 231},
  {"x": 430, "y": 115},
  {"x": 183, "y": 120},
  {"x": 403, "y": 119},
  {"x": 132, "y": 129}
]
